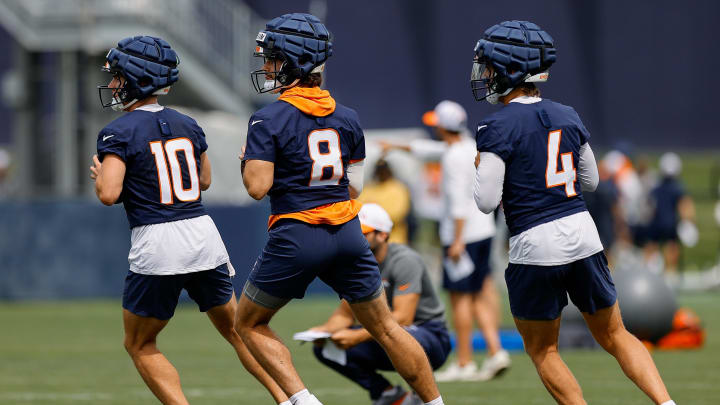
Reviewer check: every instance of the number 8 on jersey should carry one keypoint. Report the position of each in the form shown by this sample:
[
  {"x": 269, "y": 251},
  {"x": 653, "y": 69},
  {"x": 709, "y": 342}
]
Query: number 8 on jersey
[{"x": 325, "y": 152}]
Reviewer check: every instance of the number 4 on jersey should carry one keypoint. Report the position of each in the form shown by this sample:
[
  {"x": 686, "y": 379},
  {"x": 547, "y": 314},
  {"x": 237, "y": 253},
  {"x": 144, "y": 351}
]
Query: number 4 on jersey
[
  {"x": 172, "y": 147},
  {"x": 554, "y": 178}
]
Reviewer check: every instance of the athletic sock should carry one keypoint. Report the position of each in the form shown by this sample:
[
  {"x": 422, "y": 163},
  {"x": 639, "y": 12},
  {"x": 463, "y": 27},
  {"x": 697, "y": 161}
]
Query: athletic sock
[
  {"x": 436, "y": 401},
  {"x": 304, "y": 397},
  {"x": 285, "y": 402},
  {"x": 670, "y": 402}
]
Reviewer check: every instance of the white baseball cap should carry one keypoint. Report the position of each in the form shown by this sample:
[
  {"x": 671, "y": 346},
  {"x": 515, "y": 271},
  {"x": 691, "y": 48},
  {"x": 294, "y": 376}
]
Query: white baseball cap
[
  {"x": 448, "y": 115},
  {"x": 374, "y": 218},
  {"x": 670, "y": 164}
]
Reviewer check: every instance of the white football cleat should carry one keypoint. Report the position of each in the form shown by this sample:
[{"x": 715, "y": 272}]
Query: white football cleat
[
  {"x": 493, "y": 366},
  {"x": 455, "y": 372}
]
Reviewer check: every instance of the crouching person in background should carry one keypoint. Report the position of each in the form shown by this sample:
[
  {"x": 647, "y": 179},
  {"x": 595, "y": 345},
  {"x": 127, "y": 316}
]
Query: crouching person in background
[{"x": 351, "y": 350}]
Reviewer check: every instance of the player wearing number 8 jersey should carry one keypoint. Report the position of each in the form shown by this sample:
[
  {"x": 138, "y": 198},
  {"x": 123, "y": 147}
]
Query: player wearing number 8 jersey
[
  {"x": 535, "y": 156},
  {"x": 153, "y": 161},
  {"x": 305, "y": 151}
]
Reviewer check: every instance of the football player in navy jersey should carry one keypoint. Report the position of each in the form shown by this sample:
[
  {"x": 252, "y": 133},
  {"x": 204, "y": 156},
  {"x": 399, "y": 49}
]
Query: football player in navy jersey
[
  {"x": 534, "y": 155},
  {"x": 153, "y": 161},
  {"x": 305, "y": 151}
]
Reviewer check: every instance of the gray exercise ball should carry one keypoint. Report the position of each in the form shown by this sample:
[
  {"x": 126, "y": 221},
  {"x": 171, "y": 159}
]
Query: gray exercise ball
[{"x": 646, "y": 302}]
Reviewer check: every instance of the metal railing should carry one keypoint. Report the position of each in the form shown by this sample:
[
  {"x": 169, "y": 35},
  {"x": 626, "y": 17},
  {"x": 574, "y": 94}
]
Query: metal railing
[{"x": 218, "y": 34}]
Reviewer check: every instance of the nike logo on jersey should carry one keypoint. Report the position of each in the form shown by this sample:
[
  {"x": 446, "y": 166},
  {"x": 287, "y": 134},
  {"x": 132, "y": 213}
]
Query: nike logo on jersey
[
  {"x": 481, "y": 127},
  {"x": 255, "y": 122},
  {"x": 106, "y": 137}
]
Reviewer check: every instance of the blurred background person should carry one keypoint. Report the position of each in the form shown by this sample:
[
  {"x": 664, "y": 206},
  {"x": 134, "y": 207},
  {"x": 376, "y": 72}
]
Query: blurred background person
[
  {"x": 393, "y": 196},
  {"x": 466, "y": 235},
  {"x": 603, "y": 205},
  {"x": 674, "y": 210},
  {"x": 632, "y": 196}
]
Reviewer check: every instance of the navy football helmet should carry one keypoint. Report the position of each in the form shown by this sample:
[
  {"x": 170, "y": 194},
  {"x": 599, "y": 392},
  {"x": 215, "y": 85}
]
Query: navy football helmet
[
  {"x": 299, "y": 42},
  {"x": 148, "y": 66},
  {"x": 517, "y": 51}
]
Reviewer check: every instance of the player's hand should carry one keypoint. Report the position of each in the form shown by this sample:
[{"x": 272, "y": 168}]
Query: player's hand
[
  {"x": 346, "y": 338},
  {"x": 456, "y": 250},
  {"x": 95, "y": 168},
  {"x": 477, "y": 160},
  {"x": 242, "y": 153},
  {"x": 319, "y": 342}
]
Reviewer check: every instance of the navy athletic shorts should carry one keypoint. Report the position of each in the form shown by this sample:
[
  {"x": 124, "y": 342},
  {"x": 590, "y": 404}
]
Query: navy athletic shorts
[
  {"x": 479, "y": 253},
  {"x": 540, "y": 292},
  {"x": 157, "y": 296},
  {"x": 297, "y": 252}
]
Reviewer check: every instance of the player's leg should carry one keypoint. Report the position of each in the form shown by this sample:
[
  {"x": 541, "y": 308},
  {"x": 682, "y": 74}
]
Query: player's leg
[
  {"x": 154, "y": 368},
  {"x": 541, "y": 344},
  {"x": 405, "y": 353},
  {"x": 252, "y": 324},
  {"x": 223, "y": 317},
  {"x": 592, "y": 290},
  {"x": 148, "y": 304},
  {"x": 278, "y": 276},
  {"x": 537, "y": 296},
  {"x": 634, "y": 359},
  {"x": 213, "y": 291}
]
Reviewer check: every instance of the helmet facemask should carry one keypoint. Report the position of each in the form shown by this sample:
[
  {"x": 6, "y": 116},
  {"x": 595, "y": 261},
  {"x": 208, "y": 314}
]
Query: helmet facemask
[
  {"x": 274, "y": 80},
  {"x": 484, "y": 79},
  {"x": 117, "y": 98}
]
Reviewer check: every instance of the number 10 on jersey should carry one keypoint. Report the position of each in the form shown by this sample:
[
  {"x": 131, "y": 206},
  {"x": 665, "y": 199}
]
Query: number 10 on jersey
[
  {"x": 554, "y": 178},
  {"x": 171, "y": 149}
]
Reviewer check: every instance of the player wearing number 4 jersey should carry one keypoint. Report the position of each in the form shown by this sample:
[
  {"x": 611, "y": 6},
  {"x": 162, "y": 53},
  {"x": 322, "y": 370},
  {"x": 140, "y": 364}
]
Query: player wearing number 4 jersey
[
  {"x": 535, "y": 155},
  {"x": 153, "y": 161},
  {"x": 305, "y": 151}
]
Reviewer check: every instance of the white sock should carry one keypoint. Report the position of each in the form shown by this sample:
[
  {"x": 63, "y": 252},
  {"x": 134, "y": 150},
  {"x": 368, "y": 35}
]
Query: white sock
[
  {"x": 285, "y": 402},
  {"x": 670, "y": 402},
  {"x": 436, "y": 401},
  {"x": 304, "y": 397}
]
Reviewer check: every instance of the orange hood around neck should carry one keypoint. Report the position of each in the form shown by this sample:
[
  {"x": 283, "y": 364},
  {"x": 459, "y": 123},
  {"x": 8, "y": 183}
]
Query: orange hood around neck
[{"x": 310, "y": 100}]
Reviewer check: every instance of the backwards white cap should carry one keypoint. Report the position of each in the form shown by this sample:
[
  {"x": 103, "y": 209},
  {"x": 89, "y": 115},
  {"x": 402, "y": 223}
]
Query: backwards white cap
[
  {"x": 374, "y": 218},
  {"x": 448, "y": 115},
  {"x": 670, "y": 164}
]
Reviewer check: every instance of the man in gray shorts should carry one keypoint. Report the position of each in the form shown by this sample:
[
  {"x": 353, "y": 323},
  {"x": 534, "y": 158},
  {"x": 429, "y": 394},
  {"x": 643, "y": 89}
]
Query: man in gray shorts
[{"x": 414, "y": 305}]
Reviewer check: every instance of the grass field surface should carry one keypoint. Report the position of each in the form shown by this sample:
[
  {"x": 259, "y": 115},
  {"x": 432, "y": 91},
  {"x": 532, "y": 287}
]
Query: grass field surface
[{"x": 70, "y": 352}]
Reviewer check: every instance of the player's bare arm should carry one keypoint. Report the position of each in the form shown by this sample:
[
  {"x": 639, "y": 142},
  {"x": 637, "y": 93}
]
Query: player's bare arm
[
  {"x": 205, "y": 172},
  {"x": 108, "y": 175},
  {"x": 258, "y": 177}
]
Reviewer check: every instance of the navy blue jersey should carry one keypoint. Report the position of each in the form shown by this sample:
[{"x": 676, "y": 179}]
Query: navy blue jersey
[
  {"x": 540, "y": 145},
  {"x": 161, "y": 151},
  {"x": 310, "y": 153},
  {"x": 666, "y": 197}
]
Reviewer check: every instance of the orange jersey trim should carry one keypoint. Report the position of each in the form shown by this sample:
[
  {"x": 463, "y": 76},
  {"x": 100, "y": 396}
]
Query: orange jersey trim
[{"x": 330, "y": 214}]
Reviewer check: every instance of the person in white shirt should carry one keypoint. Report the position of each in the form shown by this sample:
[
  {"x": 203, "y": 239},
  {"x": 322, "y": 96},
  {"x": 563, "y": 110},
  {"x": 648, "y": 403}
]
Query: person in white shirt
[{"x": 466, "y": 235}]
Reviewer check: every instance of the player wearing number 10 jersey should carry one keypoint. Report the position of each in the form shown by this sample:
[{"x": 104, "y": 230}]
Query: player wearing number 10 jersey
[
  {"x": 305, "y": 151},
  {"x": 153, "y": 161},
  {"x": 535, "y": 156}
]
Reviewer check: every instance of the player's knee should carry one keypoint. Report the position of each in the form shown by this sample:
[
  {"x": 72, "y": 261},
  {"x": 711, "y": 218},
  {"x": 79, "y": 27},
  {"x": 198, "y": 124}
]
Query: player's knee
[
  {"x": 538, "y": 350},
  {"x": 134, "y": 345}
]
